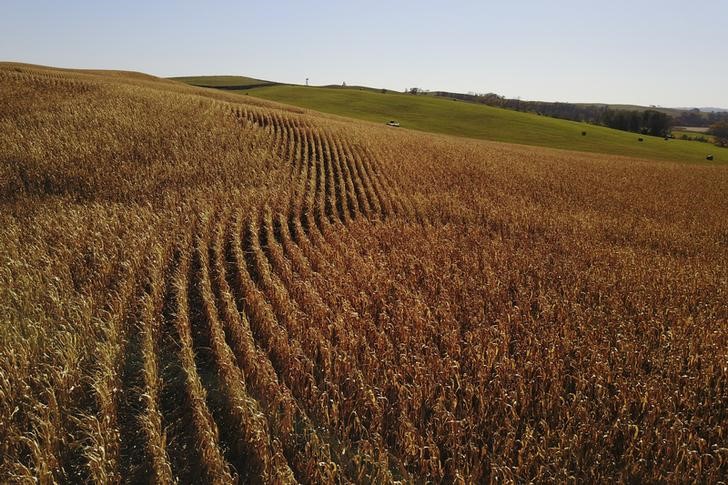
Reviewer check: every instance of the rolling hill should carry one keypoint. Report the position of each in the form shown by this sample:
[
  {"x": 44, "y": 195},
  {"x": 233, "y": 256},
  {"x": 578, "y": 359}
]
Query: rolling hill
[
  {"x": 223, "y": 82},
  {"x": 202, "y": 287},
  {"x": 440, "y": 115}
]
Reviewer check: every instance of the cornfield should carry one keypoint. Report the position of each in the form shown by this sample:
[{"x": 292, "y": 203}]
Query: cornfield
[{"x": 197, "y": 286}]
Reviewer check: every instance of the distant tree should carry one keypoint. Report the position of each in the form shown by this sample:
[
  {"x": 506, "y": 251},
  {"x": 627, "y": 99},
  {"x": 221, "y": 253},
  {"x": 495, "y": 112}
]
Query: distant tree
[
  {"x": 720, "y": 131},
  {"x": 414, "y": 90},
  {"x": 383, "y": 91},
  {"x": 716, "y": 117},
  {"x": 656, "y": 123},
  {"x": 692, "y": 117},
  {"x": 647, "y": 122}
]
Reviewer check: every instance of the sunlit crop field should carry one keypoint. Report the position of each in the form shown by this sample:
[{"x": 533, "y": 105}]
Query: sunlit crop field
[{"x": 205, "y": 287}]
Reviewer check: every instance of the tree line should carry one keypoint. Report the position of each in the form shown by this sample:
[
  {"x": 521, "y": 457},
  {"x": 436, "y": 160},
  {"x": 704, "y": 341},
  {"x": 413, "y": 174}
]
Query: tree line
[{"x": 646, "y": 121}]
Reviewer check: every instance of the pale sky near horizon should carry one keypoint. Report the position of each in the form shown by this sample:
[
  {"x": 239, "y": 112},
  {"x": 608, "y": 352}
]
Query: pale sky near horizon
[{"x": 666, "y": 53}]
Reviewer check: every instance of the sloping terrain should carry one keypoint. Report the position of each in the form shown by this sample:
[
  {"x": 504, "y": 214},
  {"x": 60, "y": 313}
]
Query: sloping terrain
[
  {"x": 204, "y": 287},
  {"x": 223, "y": 82},
  {"x": 443, "y": 115}
]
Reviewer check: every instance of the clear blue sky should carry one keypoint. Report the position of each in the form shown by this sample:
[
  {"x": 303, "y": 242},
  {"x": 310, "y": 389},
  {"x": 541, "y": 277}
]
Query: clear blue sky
[{"x": 669, "y": 53}]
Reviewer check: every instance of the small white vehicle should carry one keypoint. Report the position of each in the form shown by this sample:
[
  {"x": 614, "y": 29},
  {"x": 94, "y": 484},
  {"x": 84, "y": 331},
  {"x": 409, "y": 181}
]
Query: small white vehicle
[{"x": 393, "y": 123}]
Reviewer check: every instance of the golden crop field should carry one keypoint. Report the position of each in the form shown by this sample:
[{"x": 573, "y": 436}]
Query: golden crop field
[{"x": 204, "y": 287}]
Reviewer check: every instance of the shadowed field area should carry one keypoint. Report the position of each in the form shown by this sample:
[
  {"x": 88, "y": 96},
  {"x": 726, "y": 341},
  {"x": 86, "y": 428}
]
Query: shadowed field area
[{"x": 223, "y": 82}]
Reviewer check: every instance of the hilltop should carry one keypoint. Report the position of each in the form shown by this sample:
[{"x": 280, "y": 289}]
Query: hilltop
[{"x": 223, "y": 82}]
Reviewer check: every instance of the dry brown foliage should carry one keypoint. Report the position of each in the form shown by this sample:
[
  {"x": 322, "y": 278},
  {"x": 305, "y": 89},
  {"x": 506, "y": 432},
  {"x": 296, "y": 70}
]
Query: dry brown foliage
[{"x": 203, "y": 287}]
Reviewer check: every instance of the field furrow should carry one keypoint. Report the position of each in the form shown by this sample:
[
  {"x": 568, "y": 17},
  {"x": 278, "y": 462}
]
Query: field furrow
[
  {"x": 143, "y": 448},
  {"x": 246, "y": 419},
  {"x": 196, "y": 367},
  {"x": 243, "y": 428},
  {"x": 378, "y": 180},
  {"x": 332, "y": 194},
  {"x": 330, "y": 372},
  {"x": 341, "y": 198},
  {"x": 364, "y": 202},
  {"x": 309, "y": 455},
  {"x": 321, "y": 200},
  {"x": 368, "y": 182},
  {"x": 350, "y": 202},
  {"x": 150, "y": 421},
  {"x": 97, "y": 428}
]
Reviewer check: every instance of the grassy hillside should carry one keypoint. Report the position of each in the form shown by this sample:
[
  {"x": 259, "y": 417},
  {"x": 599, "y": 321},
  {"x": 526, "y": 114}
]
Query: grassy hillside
[
  {"x": 223, "y": 82},
  {"x": 637, "y": 107},
  {"x": 437, "y": 115}
]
